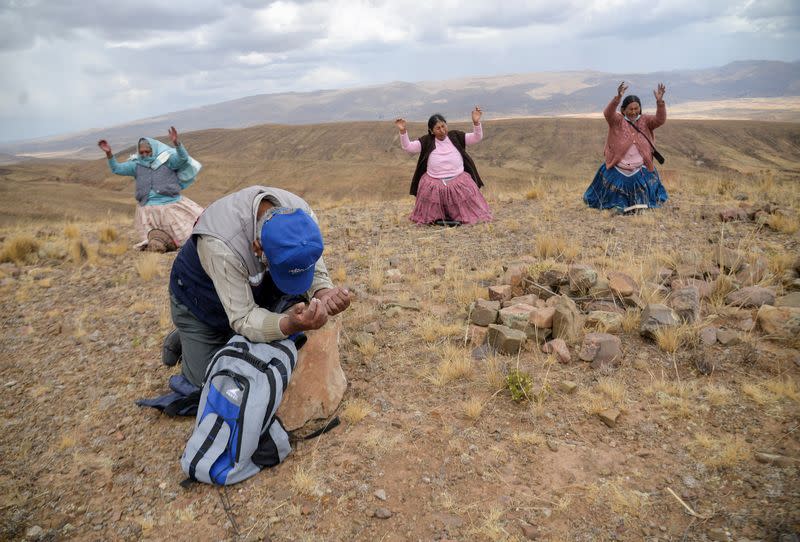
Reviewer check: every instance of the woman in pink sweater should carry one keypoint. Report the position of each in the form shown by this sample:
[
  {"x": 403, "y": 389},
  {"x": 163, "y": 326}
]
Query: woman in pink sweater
[
  {"x": 628, "y": 180},
  {"x": 446, "y": 182}
]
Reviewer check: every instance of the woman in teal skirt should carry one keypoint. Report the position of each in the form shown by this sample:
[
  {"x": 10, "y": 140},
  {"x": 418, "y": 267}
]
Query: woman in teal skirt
[{"x": 628, "y": 180}]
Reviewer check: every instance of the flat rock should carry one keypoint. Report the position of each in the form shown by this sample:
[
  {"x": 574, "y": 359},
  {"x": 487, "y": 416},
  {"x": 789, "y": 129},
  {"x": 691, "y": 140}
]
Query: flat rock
[
  {"x": 559, "y": 348},
  {"x": 501, "y": 292},
  {"x": 609, "y": 416},
  {"x": 781, "y": 323},
  {"x": 477, "y": 335},
  {"x": 600, "y": 288},
  {"x": 777, "y": 460},
  {"x": 686, "y": 303},
  {"x": 621, "y": 284},
  {"x": 567, "y": 386},
  {"x": 609, "y": 322},
  {"x": 516, "y": 316},
  {"x": 484, "y": 312},
  {"x": 581, "y": 277},
  {"x": 567, "y": 321},
  {"x": 382, "y": 513},
  {"x": 602, "y": 349},
  {"x": 788, "y": 300},
  {"x": 605, "y": 306},
  {"x": 704, "y": 288},
  {"x": 527, "y": 299},
  {"x": 318, "y": 382},
  {"x": 751, "y": 296},
  {"x": 380, "y": 494},
  {"x": 505, "y": 339},
  {"x": 655, "y": 316},
  {"x": 708, "y": 336},
  {"x": 542, "y": 318}
]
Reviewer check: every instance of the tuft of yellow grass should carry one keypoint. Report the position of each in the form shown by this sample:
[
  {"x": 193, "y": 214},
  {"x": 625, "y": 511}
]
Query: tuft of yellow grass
[
  {"x": 473, "y": 408},
  {"x": 612, "y": 388},
  {"x": 148, "y": 266},
  {"x": 669, "y": 338},
  {"x": 758, "y": 394},
  {"x": 720, "y": 453},
  {"x": 495, "y": 373},
  {"x": 339, "y": 274},
  {"x": 306, "y": 481},
  {"x": 20, "y": 249},
  {"x": 455, "y": 365},
  {"x": 431, "y": 330},
  {"x": 631, "y": 320},
  {"x": 718, "y": 394},
  {"x": 78, "y": 250},
  {"x": 375, "y": 275},
  {"x": 108, "y": 234},
  {"x": 786, "y": 388},
  {"x": 71, "y": 231},
  {"x": 550, "y": 246},
  {"x": 723, "y": 285},
  {"x": 528, "y": 438},
  {"x": 355, "y": 410},
  {"x": 783, "y": 223}
]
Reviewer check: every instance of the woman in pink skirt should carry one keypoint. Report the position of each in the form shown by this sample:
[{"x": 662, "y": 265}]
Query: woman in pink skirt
[{"x": 446, "y": 182}]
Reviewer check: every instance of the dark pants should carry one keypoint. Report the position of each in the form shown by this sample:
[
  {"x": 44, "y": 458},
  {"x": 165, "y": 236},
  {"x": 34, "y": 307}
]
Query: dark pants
[{"x": 199, "y": 342}]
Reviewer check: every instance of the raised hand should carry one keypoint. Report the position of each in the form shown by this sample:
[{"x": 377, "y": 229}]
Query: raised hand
[
  {"x": 302, "y": 317},
  {"x": 173, "y": 136},
  {"x": 659, "y": 92},
  {"x": 476, "y": 115},
  {"x": 621, "y": 89},
  {"x": 335, "y": 300},
  {"x": 105, "y": 147},
  {"x": 401, "y": 124}
]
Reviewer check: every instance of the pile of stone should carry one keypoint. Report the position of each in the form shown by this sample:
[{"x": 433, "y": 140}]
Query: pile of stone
[
  {"x": 551, "y": 309},
  {"x": 745, "y": 212}
]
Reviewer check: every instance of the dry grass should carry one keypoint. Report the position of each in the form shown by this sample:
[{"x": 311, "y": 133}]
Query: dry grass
[
  {"x": 670, "y": 338},
  {"x": 612, "y": 388},
  {"x": 722, "y": 287},
  {"x": 786, "y": 388},
  {"x": 759, "y": 394},
  {"x": 339, "y": 274},
  {"x": 306, "y": 481},
  {"x": 455, "y": 364},
  {"x": 108, "y": 234},
  {"x": 631, "y": 320},
  {"x": 550, "y": 246},
  {"x": 783, "y": 223},
  {"x": 355, "y": 410},
  {"x": 473, "y": 408},
  {"x": 20, "y": 249},
  {"x": 431, "y": 330},
  {"x": 376, "y": 275},
  {"x": 528, "y": 438},
  {"x": 720, "y": 453},
  {"x": 491, "y": 526},
  {"x": 148, "y": 266},
  {"x": 71, "y": 231},
  {"x": 116, "y": 249},
  {"x": 718, "y": 394}
]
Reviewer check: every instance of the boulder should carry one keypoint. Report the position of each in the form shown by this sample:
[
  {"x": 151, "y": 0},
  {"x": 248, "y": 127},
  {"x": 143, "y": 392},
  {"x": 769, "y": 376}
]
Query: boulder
[
  {"x": 751, "y": 296},
  {"x": 318, "y": 382},
  {"x": 504, "y": 339},
  {"x": 567, "y": 320},
  {"x": 581, "y": 277},
  {"x": 542, "y": 318},
  {"x": 501, "y": 292},
  {"x": 779, "y": 322},
  {"x": 516, "y": 316},
  {"x": 484, "y": 312},
  {"x": 602, "y": 349},
  {"x": 559, "y": 348},
  {"x": 621, "y": 284},
  {"x": 655, "y": 316},
  {"x": 686, "y": 303},
  {"x": 610, "y": 322},
  {"x": 704, "y": 287}
]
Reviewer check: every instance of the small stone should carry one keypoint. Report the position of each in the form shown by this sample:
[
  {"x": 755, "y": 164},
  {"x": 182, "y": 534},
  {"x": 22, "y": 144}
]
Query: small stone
[
  {"x": 718, "y": 534},
  {"x": 500, "y": 293},
  {"x": 382, "y": 513},
  {"x": 505, "y": 339},
  {"x": 600, "y": 288},
  {"x": 708, "y": 336},
  {"x": 686, "y": 303},
  {"x": 655, "y": 316},
  {"x": 776, "y": 460},
  {"x": 664, "y": 275},
  {"x": 426, "y": 480},
  {"x": 529, "y": 531},
  {"x": 372, "y": 328},
  {"x": 394, "y": 274},
  {"x": 704, "y": 287},
  {"x": 34, "y": 533},
  {"x": 605, "y": 306},
  {"x": 733, "y": 215},
  {"x": 559, "y": 348},
  {"x": 602, "y": 349},
  {"x": 581, "y": 277},
  {"x": 621, "y": 284},
  {"x": 484, "y": 312},
  {"x": 380, "y": 494},
  {"x": 362, "y": 339},
  {"x": 567, "y": 386},
  {"x": 728, "y": 337},
  {"x": 609, "y": 322},
  {"x": 751, "y": 296},
  {"x": 609, "y": 417},
  {"x": 477, "y": 335},
  {"x": 553, "y": 445}
]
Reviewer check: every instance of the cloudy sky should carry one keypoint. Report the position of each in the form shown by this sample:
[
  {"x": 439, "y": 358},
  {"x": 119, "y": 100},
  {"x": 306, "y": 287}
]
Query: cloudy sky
[{"x": 68, "y": 67}]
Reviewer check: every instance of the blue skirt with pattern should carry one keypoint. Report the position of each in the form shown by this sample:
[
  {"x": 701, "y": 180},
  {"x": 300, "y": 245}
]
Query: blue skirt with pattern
[{"x": 611, "y": 188}]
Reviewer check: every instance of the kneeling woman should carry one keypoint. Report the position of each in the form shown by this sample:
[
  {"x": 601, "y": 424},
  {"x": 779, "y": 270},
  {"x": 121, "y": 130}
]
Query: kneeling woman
[
  {"x": 628, "y": 179},
  {"x": 446, "y": 182},
  {"x": 164, "y": 219}
]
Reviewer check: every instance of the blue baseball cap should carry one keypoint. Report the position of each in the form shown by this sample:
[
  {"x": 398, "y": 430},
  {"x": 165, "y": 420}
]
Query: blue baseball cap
[{"x": 292, "y": 244}]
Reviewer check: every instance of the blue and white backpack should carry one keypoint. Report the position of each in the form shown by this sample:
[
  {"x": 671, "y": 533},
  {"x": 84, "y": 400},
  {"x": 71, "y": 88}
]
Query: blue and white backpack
[{"x": 236, "y": 432}]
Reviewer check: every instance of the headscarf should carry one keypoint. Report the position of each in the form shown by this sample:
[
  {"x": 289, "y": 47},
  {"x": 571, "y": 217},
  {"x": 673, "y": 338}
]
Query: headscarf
[{"x": 156, "y": 148}]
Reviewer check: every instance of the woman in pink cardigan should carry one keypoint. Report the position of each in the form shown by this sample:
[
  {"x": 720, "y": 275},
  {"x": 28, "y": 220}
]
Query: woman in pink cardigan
[
  {"x": 446, "y": 182},
  {"x": 628, "y": 180}
]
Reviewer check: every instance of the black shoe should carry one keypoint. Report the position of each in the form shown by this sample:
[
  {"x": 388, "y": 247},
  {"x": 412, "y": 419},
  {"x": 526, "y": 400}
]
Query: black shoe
[
  {"x": 449, "y": 223},
  {"x": 171, "y": 351}
]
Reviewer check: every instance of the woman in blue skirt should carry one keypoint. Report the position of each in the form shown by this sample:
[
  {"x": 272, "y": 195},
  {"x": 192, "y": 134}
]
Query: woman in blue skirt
[{"x": 628, "y": 180}]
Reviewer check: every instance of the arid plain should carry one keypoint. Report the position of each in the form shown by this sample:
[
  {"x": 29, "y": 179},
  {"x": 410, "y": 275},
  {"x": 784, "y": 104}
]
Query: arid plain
[{"x": 706, "y": 441}]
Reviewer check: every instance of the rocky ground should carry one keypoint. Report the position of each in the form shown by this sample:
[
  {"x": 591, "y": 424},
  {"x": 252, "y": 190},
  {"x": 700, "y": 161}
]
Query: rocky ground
[{"x": 672, "y": 434}]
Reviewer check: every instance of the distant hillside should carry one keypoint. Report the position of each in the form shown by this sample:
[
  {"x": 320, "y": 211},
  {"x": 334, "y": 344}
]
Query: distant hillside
[
  {"x": 364, "y": 161},
  {"x": 724, "y": 92}
]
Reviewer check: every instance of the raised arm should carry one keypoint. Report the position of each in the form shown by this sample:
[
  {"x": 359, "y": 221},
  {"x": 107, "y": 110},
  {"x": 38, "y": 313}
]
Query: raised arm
[
  {"x": 660, "y": 117},
  {"x": 181, "y": 157},
  {"x": 125, "y": 168},
  {"x": 477, "y": 129},
  {"x": 610, "y": 112},
  {"x": 411, "y": 147}
]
